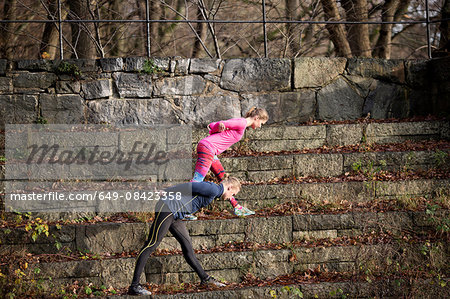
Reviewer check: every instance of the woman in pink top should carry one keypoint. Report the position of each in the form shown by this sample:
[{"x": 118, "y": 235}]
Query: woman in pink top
[{"x": 224, "y": 134}]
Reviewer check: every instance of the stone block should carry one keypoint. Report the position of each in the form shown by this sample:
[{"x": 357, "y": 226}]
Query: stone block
[
  {"x": 216, "y": 227},
  {"x": 287, "y": 132},
  {"x": 202, "y": 110},
  {"x": 229, "y": 238},
  {"x": 117, "y": 272},
  {"x": 322, "y": 222},
  {"x": 203, "y": 65},
  {"x": 284, "y": 145},
  {"x": 179, "y": 135},
  {"x": 338, "y": 101},
  {"x": 18, "y": 109},
  {"x": 372, "y": 163},
  {"x": 236, "y": 164},
  {"x": 131, "y": 111},
  {"x": 271, "y": 263},
  {"x": 181, "y": 65},
  {"x": 317, "y": 71},
  {"x": 133, "y": 64},
  {"x": 133, "y": 85},
  {"x": 386, "y": 101},
  {"x": 270, "y": 162},
  {"x": 365, "y": 221},
  {"x": 362, "y": 85},
  {"x": 392, "y": 70},
  {"x": 64, "y": 87},
  {"x": 111, "y": 237},
  {"x": 413, "y": 188},
  {"x": 346, "y": 134},
  {"x": 286, "y": 107},
  {"x": 62, "y": 109},
  {"x": 84, "y": 65},
  {"x": 96, "y": 89},
  {"x": 256, "y": 74},
  {"x": 162, "y": 63},
  {"x": 318, "y": 165},
  {"x": 326, "y": 254},
  {"x": 35, "y": 248},
  {"x": 336, "y": 192},
  {"x": 111, "y": 64},
  {"x": 269, "y": 229},
  {"x": 349, "y": 232},
  {"x": 266, "y": 175},
  {"x": 35, "y": 65},
  {"x": 5, "y": 84},
  {"x": 186, "y": 85},
  {"x": 26, "y": 80},
  {"x": 269, "y": 191},
  {"x": 398, "y": 132},
  {"x": 315, "y": 234},
  {"x": 417, "y": 73}
]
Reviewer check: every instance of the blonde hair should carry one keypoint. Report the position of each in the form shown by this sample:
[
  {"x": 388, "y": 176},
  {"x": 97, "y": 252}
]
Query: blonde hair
[
  {"x": 232, "y": 181},
  {"x": 260, "y": 112}
]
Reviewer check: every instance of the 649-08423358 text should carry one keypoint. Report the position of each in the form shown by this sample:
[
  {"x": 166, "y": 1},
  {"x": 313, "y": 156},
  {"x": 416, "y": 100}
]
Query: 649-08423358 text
[{"x": 96, "y": 195}]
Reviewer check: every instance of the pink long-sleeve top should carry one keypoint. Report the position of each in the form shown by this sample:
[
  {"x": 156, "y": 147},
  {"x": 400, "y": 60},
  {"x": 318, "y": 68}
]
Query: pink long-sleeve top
[{"x": 217, "y": 141}]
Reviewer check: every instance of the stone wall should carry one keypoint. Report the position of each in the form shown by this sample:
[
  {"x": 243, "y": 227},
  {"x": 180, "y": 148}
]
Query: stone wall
[{"x": 197, "y": 91}]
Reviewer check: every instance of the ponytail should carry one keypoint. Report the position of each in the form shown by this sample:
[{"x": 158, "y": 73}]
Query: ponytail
[{"x": 260, "y": 112}]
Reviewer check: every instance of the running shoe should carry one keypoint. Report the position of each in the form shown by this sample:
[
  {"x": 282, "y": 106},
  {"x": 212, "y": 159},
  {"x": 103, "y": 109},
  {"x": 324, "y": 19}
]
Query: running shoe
[
  {"x": 190, "y": 217},
  {"x": 242, "y": 211},
  {"x": 212, "y": 282},
  {"x": 138, "y": 290}
]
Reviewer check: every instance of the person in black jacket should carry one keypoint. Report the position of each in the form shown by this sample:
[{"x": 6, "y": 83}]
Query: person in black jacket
[{"x": 183, "y": 199}]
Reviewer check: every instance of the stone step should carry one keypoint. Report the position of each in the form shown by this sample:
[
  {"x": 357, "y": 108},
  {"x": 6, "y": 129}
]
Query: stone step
[
  {"x": 112, "y": 238},
  {"x": 263, "y": 168},
  {"x": 278, "y": 165},
  {"x": 297, "y": 137},
  {"x": 262, "y": 195},
  {"x": 230, "y": 266},
  {"x": 422, "y": 288}
]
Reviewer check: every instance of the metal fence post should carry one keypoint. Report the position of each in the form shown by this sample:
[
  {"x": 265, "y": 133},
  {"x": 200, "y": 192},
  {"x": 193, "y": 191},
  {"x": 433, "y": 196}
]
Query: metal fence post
[
  {"x": 147, "y": 22},
  {"x": 264, "y": 27},
  {"x": 61, "y": 51}
]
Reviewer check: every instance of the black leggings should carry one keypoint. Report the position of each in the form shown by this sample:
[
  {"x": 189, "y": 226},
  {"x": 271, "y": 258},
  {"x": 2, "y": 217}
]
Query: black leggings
[{"x": 163, "y": 222}]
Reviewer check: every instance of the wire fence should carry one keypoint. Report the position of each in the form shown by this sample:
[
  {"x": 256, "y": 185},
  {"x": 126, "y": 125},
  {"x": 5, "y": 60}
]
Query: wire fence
[{"x": 264, "y": 22}]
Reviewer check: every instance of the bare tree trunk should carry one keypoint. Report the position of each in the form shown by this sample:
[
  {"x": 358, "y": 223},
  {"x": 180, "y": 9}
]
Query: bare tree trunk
[
  {"x": 401, "y": 9},
  {"x": 202, "y": 33},
  {"x": 6, "y": 30},
  {"x": 336, "y": 31},
  {"x": 291, "y": 15},
  {"x": 155, "y": 28},
  {"x": 383, "y": 45},
  {"x": 357, "y": 34},
  {"x": 49, "y": 41},
  {"x": 119, "y": 36},
  {"x": 81, "y": 33}
]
